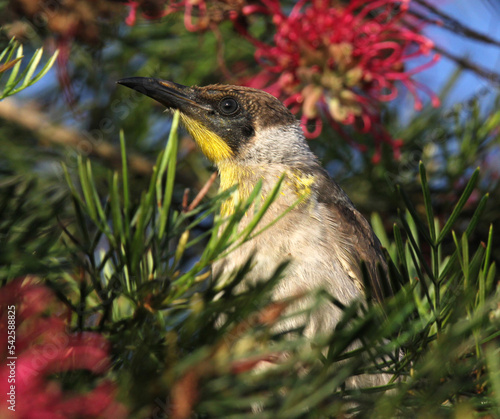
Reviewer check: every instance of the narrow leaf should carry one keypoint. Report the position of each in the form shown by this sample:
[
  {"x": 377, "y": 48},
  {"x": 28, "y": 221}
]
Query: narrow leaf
[
  {"x": 459, "y": 206},
  {"x": 427, "y": 203},
  {"x": 12, "y": 81},
  {"x": 414, "y": 215},
  {"x": 125, "y": 185},
  {"x": 31, "y": 67},
  {"x": 9, "y": 64},
  {"x": 171, "y": 153},
  {"x": 477, "y": 215},
  {"x": 87, "y": 190},
  {"x": 416, "y": 248},
  {"x": 48, "y": 65}
]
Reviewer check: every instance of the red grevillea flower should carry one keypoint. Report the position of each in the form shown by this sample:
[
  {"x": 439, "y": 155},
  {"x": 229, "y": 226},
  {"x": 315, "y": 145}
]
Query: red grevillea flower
[
  {"x": 330, "y": 59},
  {"x": 43, "y": 350},
  {"x": 199, "y": 15},
  {"x": 341, "y": 60},
  {"x": 151, "y": 9}
]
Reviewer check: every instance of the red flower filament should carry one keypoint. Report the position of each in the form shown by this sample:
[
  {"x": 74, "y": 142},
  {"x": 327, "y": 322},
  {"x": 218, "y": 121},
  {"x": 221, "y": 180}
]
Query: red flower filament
[{"x": 343, "y": 59}]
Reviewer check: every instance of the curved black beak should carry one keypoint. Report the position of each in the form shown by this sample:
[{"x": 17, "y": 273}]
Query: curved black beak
[{"x": 169, "y": 94}]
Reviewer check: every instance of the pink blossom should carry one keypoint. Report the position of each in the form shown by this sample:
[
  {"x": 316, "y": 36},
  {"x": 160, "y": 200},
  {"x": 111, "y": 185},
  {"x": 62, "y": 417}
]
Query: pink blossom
[
  {"x": 44, "y": 350},
  {"x": 340, "y": 61}
]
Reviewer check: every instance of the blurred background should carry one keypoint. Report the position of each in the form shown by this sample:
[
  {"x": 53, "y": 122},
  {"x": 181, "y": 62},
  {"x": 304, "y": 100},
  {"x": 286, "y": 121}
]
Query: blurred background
[
  {"x": 77, "y": 109},
  {"x": 378, "y": 87}
]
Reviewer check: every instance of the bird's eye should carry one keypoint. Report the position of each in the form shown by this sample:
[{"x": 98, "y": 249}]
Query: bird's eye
[{"x": 228, "y": 106}]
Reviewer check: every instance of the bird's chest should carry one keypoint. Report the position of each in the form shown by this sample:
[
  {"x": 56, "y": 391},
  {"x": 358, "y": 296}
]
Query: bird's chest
[{"x": 290, "y": 240}]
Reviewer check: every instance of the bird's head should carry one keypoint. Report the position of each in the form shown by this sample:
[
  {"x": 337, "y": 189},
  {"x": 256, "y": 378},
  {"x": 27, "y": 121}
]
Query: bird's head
[{"x": 235, "y": 126}]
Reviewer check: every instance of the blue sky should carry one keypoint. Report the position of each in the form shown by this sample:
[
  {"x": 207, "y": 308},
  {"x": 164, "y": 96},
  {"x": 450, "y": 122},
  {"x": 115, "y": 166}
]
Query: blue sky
[
  {"x": 476, "y": 14},
  {"x": 481, "y": 17}
]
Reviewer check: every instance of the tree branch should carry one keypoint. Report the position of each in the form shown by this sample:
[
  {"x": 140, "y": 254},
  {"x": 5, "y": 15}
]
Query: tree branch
[
  {"x": 29, "y": 117},
  {"x": 452, "y": 24},
  {"x": 467, "y": 65}
]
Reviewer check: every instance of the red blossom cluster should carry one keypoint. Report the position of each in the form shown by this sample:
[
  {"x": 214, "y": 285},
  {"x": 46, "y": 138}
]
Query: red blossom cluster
[
  {"x": 151, "y": 9},
  {"x": 199, "y": 15},
  {"x": 332, "y": 60},
  {"x": 341, "y": 60},
  {"x": 43, "y": 351},
  {"x": 329, "y": 59}
]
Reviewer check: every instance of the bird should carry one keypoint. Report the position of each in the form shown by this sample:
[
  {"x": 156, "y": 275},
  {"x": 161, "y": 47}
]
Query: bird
[{"x": 251, "y": 137}]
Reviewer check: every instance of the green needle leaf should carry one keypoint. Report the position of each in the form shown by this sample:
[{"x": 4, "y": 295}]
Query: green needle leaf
[
  {"x": 428, "y": 203},
  {"x": 459, "y": 206}
]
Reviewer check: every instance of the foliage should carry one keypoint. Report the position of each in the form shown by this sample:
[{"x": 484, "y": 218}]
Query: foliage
[
  {"x": 26, "y": 78},
  {"x": 108, "y": 255},
  {"x": 173, "y": 353}
]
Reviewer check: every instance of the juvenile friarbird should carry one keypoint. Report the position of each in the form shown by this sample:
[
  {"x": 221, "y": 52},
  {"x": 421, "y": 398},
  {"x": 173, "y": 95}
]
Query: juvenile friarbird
[{"x": 250, "y": 136}]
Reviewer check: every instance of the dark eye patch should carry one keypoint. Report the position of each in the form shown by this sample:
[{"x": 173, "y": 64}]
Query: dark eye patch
[{"x": 228, "y": 106}]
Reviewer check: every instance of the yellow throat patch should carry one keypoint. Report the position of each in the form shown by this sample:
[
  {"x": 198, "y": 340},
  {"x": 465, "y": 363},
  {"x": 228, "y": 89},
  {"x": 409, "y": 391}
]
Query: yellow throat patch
[
  {"x": 297, "y": 185},
  {"x": 230, "y": 175},
  {"x": 212, "y": 146}
]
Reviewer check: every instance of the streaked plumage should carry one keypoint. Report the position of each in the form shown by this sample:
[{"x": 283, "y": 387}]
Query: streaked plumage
[{"x": 324, "y": 237}]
